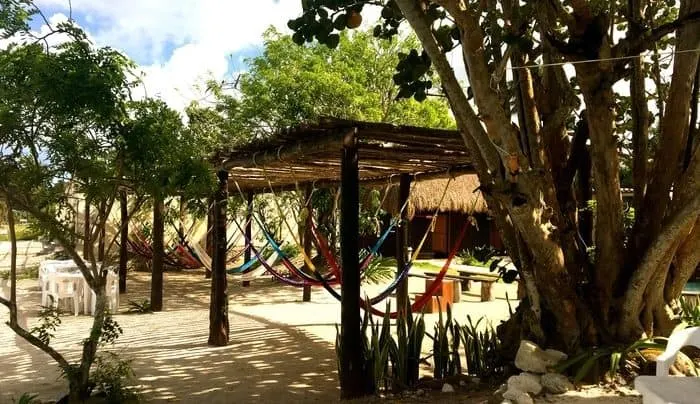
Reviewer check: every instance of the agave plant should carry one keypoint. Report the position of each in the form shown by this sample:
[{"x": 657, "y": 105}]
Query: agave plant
[{"x": 481, "y": 348}]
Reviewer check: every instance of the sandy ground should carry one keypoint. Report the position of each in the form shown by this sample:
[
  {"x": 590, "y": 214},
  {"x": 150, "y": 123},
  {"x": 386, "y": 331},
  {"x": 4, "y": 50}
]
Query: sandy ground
[
  {"x": 29, "y": 254},
  {"x": 280, "y": 348}
]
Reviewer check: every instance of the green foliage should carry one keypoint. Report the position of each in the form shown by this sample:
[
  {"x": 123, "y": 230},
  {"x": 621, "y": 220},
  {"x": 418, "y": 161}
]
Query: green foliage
[
  {"x": 161, "y": 155},
  {"x": 482, "y": 349},
  {"x": 290, "y": 250},
  {"x": 446, "y": 340},
  {"x": 27, "y": 398},
  {"x": 406, "y": 350},
  {"x": 111, "y": 330},
  {"x": 111, "y": 378},
  {"x": 391, "y": 363},
  {"x": 14, "y": 16},
  {"x": 289, "y": 84},
  {"x": 49, "y": 320},
  {"x": 615, "y": 358},
  {"x": 142, "y": 307},
  {"x": 380, "y": 269},
  {"x": 23, "y": 232},
  {"x": 690, "y": 312}
]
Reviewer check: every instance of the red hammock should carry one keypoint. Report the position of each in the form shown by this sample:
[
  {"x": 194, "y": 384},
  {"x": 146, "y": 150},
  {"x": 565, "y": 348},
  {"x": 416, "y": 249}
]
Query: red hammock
[{"x": 419, "y": 303}]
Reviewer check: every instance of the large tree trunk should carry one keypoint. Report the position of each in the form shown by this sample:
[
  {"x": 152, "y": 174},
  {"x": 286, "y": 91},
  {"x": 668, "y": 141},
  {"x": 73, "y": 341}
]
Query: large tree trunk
[{"x": 158, "y": 254}]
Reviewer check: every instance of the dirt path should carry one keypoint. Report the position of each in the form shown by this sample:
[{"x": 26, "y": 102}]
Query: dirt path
[{"x": 281, "y": 349}]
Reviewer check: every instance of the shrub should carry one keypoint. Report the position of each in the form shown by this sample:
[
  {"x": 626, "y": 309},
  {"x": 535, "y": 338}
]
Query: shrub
[
  {"x": 111, "y": 378},
  {"x": 142, "y": 307}
]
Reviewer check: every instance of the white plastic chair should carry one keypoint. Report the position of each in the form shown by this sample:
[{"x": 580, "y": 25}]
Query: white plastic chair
[
  {"x": 687, "y": 337},
  {"x": 64, "y": 287},
  {"x": 664, "y": 389}
]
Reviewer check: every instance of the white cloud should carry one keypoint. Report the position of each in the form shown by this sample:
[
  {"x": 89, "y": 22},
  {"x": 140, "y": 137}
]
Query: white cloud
[{"x": 178, "y": 43}]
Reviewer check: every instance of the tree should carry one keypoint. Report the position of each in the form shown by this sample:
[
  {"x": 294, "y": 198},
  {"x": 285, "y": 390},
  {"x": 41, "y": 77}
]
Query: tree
[
  {"x": 60, "y": 110},
  {"x": 164, "y": 160},
  {"x": 522, "y": 122},
  {"x": 288, "y": 84}
]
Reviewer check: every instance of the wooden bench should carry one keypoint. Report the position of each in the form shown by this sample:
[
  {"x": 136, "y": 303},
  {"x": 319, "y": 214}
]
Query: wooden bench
[
  {"x": 662, "y": 388},
  {"x": 465, "y": 283}
]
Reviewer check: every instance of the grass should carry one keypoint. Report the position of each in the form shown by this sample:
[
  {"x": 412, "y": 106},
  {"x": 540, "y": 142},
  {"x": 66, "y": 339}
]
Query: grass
[
  {"x": 23, "y": 232},
  {"x": 26, "y": 273}
]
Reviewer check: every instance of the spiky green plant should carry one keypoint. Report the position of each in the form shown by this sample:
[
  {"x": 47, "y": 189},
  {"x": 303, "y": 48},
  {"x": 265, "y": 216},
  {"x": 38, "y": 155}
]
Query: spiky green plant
[{"x": 481, "y": 348}]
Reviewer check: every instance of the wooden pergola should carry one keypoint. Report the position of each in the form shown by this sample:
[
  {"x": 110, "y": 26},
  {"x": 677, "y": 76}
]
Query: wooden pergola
[{"x": 335, "y": 152}]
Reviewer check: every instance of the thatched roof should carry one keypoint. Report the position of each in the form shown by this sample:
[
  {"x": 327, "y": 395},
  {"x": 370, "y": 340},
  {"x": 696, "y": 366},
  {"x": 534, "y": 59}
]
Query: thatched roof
[{"x": 425, "y": 195}]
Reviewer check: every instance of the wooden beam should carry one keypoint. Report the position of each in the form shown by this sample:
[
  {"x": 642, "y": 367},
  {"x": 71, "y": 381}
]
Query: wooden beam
[
  {"x": 158, "y": 253},
  {"x": 218, "y": 306},
  {"x": 289, "y": 152},
  {"x": 306, "y": 294},
  {"x": 402, "y": 235},
  {"x": 209, "y": 239},
  {"x": 247, "y": 255},
  {"x": 353, "y": 376}
]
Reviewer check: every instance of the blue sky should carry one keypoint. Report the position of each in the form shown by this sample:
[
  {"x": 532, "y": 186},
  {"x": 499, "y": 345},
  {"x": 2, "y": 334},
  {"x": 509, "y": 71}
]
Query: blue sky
[{"x": 177, "y": 44}]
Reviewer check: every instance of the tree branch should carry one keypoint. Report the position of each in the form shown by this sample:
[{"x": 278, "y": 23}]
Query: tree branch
[
  {"x": 634, "y": 45},
  {"x": 472, "y": 131},
  {"x": 651, "y": 261}
]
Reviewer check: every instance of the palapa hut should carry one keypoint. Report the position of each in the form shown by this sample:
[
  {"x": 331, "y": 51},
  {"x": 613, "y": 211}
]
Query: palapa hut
[{"x": 462, "y": 201}]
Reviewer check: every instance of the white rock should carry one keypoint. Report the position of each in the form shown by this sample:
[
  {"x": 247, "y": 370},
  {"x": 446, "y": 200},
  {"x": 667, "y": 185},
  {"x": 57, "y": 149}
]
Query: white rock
[
  {"x": 527, "y": 382},
  {"x": 420, "y": 392},
  {"x": 518, "y": 396},
  {"x": 447, "y": 388},
  {"x": 532, "y": 358},
  {"x": 555, "y": 383}
]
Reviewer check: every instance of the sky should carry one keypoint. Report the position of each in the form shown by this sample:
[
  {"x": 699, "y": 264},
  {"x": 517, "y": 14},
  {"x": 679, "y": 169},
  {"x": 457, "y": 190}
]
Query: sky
[{"x": 176, "y": 44}]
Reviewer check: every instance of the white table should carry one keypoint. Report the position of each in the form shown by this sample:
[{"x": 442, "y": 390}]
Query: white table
[{"x": 68, "y": 269}]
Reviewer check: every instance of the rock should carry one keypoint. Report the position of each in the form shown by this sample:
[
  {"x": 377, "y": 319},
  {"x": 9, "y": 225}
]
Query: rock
[
  {"x": 527, "y": 382},
  {"x": 518, "y": 396},
  {"x": 502, "y": 389},
  {"x": 447, "y": 388},
  {"x": 532, "y": 358},
  {"x": 558, "y": 356},
  {"x": 555, "y": 383},
  {"x": 420, "y": 392},
  {"x": 475, "y": 380}
]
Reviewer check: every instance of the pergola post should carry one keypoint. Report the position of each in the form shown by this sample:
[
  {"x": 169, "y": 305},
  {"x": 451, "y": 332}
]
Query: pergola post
[
  {"x": 353, "y": 378},
  {"x": 402, "y": 246},
  {"x": 306, "y": 294},
  {"x": 218, "y": 307},
  {"x": 123, "y": 240},
  {"x": 247, "y": 256},
  {"x": 209, "y": 239}
]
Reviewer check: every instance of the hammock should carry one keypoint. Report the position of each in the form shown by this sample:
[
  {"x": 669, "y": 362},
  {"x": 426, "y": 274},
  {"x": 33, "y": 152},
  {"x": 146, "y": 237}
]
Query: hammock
[
  {"x": 306, "y": 279},
  {"x": 420, "y": 302}
]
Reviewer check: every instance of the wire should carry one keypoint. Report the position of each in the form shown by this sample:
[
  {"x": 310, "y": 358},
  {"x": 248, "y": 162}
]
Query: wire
[{"x": 602, "y": 59}]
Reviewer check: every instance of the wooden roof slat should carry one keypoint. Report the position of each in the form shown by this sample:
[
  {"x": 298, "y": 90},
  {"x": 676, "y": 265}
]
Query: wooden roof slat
[{"x": 311, "y": 153}]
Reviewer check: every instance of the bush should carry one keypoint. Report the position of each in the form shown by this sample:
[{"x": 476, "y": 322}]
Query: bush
[
  {"x": 27, "y": 398},
  {"x": 141, "y": 307},
  {"x": 23, "y": 232},
  {"x": 111, "y": 378},
  {"x": 690, "y": 312}
]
